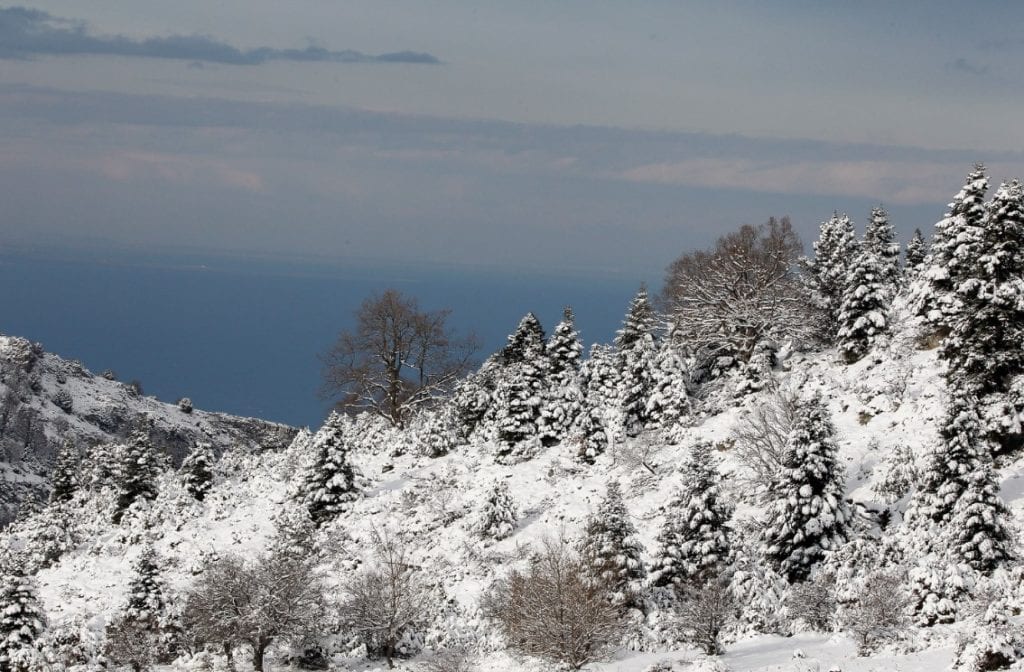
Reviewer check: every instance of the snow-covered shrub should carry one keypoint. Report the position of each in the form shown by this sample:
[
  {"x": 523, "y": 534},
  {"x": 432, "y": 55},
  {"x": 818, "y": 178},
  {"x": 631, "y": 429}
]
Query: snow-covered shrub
[
  {"x": 185, "y": 405},
  {"x": 995, "y": 643},
  {"x": 936, "y": 585},
  {"x": 498, "y": 513},
  {"x": 705, "y": 610},
  {"x": 62, "y": 400},
  {"x": 814, "y": 602},
  {"x": 898, "y": 474}
]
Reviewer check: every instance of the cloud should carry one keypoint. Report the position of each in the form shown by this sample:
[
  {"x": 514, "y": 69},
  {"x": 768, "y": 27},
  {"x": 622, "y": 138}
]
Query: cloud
[{"x": 26, "y": 32}]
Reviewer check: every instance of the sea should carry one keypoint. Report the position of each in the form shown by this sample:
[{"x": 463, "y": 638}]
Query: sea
[{"x": 242, "y": 334}]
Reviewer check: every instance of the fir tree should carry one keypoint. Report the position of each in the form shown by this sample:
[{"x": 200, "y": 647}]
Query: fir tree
[
  {"x": 21, "y": 618},
  {"x": 601, "y": 378},
  {"x": 880, "y": 238},
  {"x": 917, "y": 251},
  {"x": 944, "y": 268},
  {"x": 146, "y": 603},
  {"x": 637, "y": 383},
  {"x": 828, "y": 270},
  {"x": 137, "y": 474},
  {"x": 593, "y": 439},
  {"x": 498, "y": 515},
  {"x": 668, "y": 401},
  {"x": 979, "y": 530},
  {"x": 330, "y": 484},
  {"x": 195, "y": 470},
  {"x": 473, "y": 398},
  {"x": 64, "y": 478},
  {"x": 694, "y": 540},
  {"x": 611, "y": 549},
  {"x": 866, "y": 299},
  {"x": 638, "y": 323},
  {"x": 520, "y": 391},
  {"x": 810, "y": 515},
  {"x": 984, "y": 347},
  {"x": 526, "y": 343},
  {"x": 564, "y": 397}
]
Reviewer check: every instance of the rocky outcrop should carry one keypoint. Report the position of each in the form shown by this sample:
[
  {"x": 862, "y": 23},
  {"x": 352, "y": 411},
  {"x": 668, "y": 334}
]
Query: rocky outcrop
[{"x": 46, "y": 400}]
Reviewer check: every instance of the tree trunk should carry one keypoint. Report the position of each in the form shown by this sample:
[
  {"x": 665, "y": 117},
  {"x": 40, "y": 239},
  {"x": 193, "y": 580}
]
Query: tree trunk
[
  {"x": 229, "y": 655},
  {"x": 259, "y": 647}
]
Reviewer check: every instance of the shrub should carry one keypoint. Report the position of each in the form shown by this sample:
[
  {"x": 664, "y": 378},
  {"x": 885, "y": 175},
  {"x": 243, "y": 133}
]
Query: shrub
[
  {"x": 814, "y": 602},
  {"x": 185, "y": 405},
  {"x": 62, "y": 400},
  {"x": 704, "y": 611},
  {"x": 879, "y": 614}
]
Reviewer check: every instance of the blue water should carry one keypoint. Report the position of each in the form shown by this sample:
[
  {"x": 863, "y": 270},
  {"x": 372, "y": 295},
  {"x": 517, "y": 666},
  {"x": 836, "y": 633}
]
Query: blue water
[{"x": 242, "y": 336}]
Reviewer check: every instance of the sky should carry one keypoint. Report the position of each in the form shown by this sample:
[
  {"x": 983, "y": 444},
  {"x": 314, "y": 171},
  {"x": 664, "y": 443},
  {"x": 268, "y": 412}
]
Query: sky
[{"x": 591, "y": 136}]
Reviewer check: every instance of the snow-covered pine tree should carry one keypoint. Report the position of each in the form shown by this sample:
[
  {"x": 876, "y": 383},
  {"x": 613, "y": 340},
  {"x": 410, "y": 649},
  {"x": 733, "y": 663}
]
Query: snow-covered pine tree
[
  {"x": 917, "y": 252},
  {"x": 637, "y": 383},
  {"x": 863, "y": 312},
  {"x": 564, "y": 399},
  {"x": 600, "y": 377},
  {"x": 64, "y": 478},
  {"x": 984, "y": 346},
  {"x": 474, "y": 396},
  {"x": 137, "y": 472},
  {"x": 880, "y": 237},
  {"x": 936, "y": 295},
  {"x": 518, "y": 399},
  {"x": 668, "y": 401},
  {"x": 694, "y": 541},
  {"x": 146, "y": 602},
  {"x": 21, "y": 618},
  {"x": 498, "y": 514},
  {"x": 330, "y": 484},
  {"x": 611, "y": 550},
  {"x": 196, "y": 474},
  {"x": 828, "y": 269},
  {"x": 979, "y": 529},
  {"x": 809, "y": 515},
  {"x": 593, "y": 439},
  {"x": 639, "y": 321}
]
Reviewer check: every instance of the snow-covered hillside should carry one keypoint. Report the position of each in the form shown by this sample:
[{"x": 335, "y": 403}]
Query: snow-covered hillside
[{"x": 46, "y": 400}]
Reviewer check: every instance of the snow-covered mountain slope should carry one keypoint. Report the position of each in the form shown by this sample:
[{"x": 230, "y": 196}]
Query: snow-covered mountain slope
[
  {"x": 46, "y": 400},
  {"x": 893, "y": 398}
]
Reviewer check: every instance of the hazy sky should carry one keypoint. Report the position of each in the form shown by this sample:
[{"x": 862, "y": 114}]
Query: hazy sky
[{"x": 599, "y": 136}]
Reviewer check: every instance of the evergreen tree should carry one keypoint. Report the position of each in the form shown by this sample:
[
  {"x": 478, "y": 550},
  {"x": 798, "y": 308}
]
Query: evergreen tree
[
  {"x": 564, "y": 397},
  {"x": 917, "y": 252},
  {"x": 21, "y": 618},
  {"x": 330, "y": 484},
  {"x": 593, "y": 439},
  {"x": 137, "y": 473},
  {"x": 611, "y": 550},
  {"x": 984, "y": 347},
  {"x": 668, "y": 402},
  {"x": 638, "y": 383},
  {"x": 810, "y": 515},
  {"x": 64, "y": 478},
  {"x": 601, "y": 378},
  {"x": 639, "y": 321},
  {"x": 195, "y": 470},
  {"x": 979, "y": 530},
  {"x": 865, "y": 304},
  {"x": 880, "y": 238},
  {"x": 520, "y": 391},
  {"x": 828, "y": 270},
  {"x": 944, "y": 268},
  {"x": 146, "y": 603},
  {"x": 498, "y": 515},
  {"x": 473, "y": 398},
  {"x": 694, "y": 540}
]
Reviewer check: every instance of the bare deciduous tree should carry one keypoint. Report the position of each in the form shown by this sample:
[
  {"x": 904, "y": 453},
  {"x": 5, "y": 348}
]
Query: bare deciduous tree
[
  {"x": 705, "y": 610},
  {"x": 396, "y": 358},
  {"x": 555, "y": 610},
  {"x": 385, "y": 601},
  {"x": 760, "y": 436},
  {"x": 746, "y": 289},
  {"x": 879, "y": 614},
  {"x": 277, "y": 597}
]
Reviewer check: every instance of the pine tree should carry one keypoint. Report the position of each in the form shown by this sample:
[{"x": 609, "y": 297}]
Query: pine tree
[
  {"x": 146, "y": 602},
  {"x": 917, "y": 252},
  {"x": 668, "y": 402},
  {"x": 21, "y": 618},
  {"x": 638, "y": 323},
  {"x": 611, "y": 550},
  {"x": 473, "y": 398},
  {"x": 137, "y": 473},
  {"x": 880, "y": 238},
  {"x": 810, "y": 515},
  {"x": 518, "y": 398},
  {"x": 330, "y": 484},
  {"x": 526, "y": 343},
  {"x": 828, "y": 270},
  {"x": 564, "y": 398},
  {"x": 593, "y": 439},
  {"x": 944, "y": 268},
  {"x": 601, "y": 378},
  {"x": 64, "y": 478},
  {"x": 979, "y": 530},
  {"x": 195, "y": 470},
  {"x": 865, "y": 304},
  {"x": 694, "y": 540},
  {"x": 984, "y": 347},
  {"x": 498, "y": 514},
  {"x": 638, "y": 383}
]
